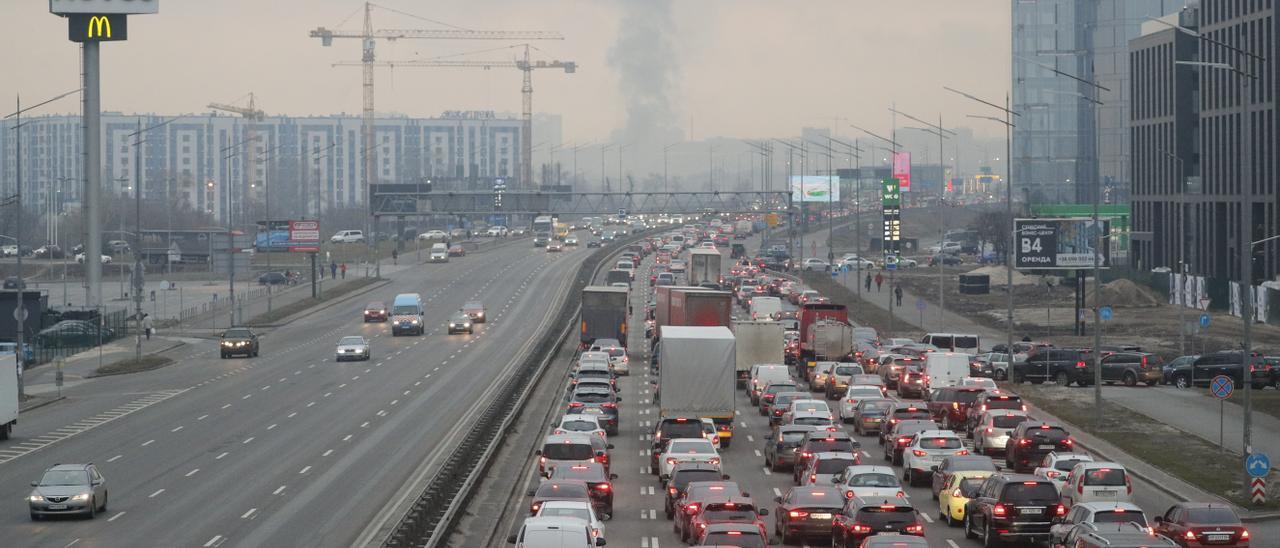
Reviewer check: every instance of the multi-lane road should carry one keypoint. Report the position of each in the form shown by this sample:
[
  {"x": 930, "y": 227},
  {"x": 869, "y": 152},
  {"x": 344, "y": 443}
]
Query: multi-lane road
[{"x": 288, "y": 449}]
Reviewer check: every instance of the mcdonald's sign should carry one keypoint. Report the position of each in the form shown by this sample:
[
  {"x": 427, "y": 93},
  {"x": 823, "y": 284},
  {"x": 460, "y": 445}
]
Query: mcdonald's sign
[{"x": 97, "y": 27}]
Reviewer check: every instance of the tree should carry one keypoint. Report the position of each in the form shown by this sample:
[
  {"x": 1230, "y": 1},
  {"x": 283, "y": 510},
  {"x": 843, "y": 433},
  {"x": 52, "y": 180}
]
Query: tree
[{"x": 993, "y": 227}]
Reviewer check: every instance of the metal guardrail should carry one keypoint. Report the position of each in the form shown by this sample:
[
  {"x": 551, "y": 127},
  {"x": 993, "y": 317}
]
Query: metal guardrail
[{"x": 434, "y": 513}]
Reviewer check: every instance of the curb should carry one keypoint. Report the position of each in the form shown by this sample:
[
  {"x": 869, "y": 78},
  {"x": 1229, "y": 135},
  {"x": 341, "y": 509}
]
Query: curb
[{"x": 22, "y": 410}]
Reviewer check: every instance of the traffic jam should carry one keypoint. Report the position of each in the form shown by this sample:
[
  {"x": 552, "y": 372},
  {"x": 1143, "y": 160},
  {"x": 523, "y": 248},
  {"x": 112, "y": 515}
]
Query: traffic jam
[{"x": 717, "y": 401}]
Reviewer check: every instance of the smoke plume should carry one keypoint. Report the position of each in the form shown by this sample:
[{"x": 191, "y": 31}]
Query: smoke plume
[{"x": 645, "y": 59}]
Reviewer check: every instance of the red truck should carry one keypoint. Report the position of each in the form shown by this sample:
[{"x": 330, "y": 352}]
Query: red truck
[{"x": 692, "y": 306}]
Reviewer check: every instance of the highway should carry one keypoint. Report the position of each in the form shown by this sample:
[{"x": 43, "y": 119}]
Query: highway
[{"x": 288, "y": 449}]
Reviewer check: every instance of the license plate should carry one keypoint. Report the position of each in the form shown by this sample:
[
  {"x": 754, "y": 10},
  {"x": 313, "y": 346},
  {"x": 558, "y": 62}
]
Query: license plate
[
  {"x": 820, "y": 516},
  {"x": 1105, "y": 493},
  {"x": 1217, "y": 538},
  {"x": 1050, "y": 446},
  {"x": 1031, "y": 511},
  {"x": 57, "y": 507}
]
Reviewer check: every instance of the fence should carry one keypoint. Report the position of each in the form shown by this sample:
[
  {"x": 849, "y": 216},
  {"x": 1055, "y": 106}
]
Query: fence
[{"x": 114, "y": 325}]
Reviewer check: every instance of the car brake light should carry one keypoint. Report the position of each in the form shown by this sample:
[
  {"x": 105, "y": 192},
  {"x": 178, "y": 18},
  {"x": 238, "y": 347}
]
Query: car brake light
[
  {"x": 860, "y": 528},
  {"x": 1060, "y": 510},
  {"x": 848, "y": 494},
  {"x": 534, "y": 507},
  {"x": 1191, "y": 535},
  {"x": 575, "y": 404},
  {"x": 999, "y": 510},
  {"x": 609, "y": 405},
  {"x": 962, "y": 452},
  {"x": 1052, "y": 474},
  {"x": 955, "y": 405},
  {"x": 691, "y": 508},
  {"x": 903, "y": 441},
  {"x": 1081, "y": 364},
  {"x": 714, "y": 461},
  {"x": 671, "y": 460},
  {"x": 956, "y": 493},
  {"x": 915, "y": 529},
  {"x": 989, "y": 430},
  {"x": 672, "y": 490},
  {"x": 813, "y": 478},
  {"x": 1069, "y": 442},
  {"x": 1244, "y": 534},
  {"x": 603, "y": 487}
]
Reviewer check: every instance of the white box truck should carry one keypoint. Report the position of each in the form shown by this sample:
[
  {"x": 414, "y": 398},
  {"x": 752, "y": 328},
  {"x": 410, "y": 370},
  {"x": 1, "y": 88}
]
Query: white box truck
[
  {"x": 704, "y": 266},
  {"x": 944, "y": 369},
  {"x": 697, "y": 376},
  {"x": 759, "y": 342},
  {"x": 8, "y": 394}
]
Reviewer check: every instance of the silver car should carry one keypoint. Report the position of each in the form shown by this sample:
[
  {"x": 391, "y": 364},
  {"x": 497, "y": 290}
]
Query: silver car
[
  {"x": 68, "y": 489},
  {"x": 991, "y": 433},
  {"x": 353, "y": 347}
]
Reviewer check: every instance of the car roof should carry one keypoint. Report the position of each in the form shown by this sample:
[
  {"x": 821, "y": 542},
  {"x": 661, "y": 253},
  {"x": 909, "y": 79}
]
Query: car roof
[
  {"x": 834, "y": 455},
  {"x": 552, "y": 522},
  {"x": 567, "y": 438},
  {"x": 1093, "y": 464},
  {"x": 938, "y": 434},
  {"x": 869, "y": 469},
  {"x": 1101, "y": 506}
]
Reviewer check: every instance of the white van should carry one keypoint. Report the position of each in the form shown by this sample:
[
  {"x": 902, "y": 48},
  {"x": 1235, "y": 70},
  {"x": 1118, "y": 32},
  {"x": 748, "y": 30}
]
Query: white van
[
  {"x": 554, "y": 532},
  {"x": 1097, "y": 482},
  {"x": 943, "y": 369},
  {"x": 347, "y": 237},
  {"x": 761, "y": 375},
  {"x": 953, "y": 342},
  {"x": 439, "y": 253},
  {"x": 763, "y": 308}
]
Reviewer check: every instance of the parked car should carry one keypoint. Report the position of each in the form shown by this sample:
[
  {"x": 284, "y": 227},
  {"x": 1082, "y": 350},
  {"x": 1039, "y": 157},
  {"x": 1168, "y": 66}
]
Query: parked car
[
  {"x": 1061, "y": 365},
  {"x": 1132, "y": 368}
]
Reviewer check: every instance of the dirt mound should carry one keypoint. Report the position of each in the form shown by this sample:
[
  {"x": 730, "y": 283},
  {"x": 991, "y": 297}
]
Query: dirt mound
[
  {"x": 1125, "y": 293},
  {"x": 998, "y": 276}
]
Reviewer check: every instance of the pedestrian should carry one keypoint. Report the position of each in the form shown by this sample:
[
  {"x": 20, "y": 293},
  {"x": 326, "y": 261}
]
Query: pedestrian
[
  {"x": 147, "y": 325},
  {"x": 344, "y": 270},
  {"x": 333, "y": 270},
  {"x": 868, "y": 282},
  {"x": 1026, "y": 338},
  {"x": 897, "y": 293},
  {"x": 395, "y": 254},
  {"x": 879, "y": 280}
]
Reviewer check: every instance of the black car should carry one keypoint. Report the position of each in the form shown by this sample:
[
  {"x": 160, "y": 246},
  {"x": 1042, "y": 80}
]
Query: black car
[
  {"x": 240, "y": 341},
  {"x": 12, "y": 282},
  {"x": 863, "y": 517},
  {"x": 782, "y": 446},
  {"x": 806, "y": 512},
  {"x": 596, "y": 400},
  {"x": 1231, "y": 364},
  {"x": 901, "y": 412},
  {"x": 947, "y": 259},
  {"x": 1031, "y": 441},
  {"x": 273, "y": 278},
  {"x": 1061, "y": 365},
  {"x": 1012, "y": 507},
  {"x": 685, "y": 473},
  {"x": 594, "y": 243}
]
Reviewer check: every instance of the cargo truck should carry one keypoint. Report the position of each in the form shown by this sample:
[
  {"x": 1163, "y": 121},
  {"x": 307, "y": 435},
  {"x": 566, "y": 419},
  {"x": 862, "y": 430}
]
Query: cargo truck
[
  {"x": 697, "y": 379},
  {"x": 704, "y": 266},
  {"x": 603, "y": 314},
  {"x": 830, "y": 340},
  {"x": 687, "y": 305},
  {"x": 8, "y": 394},
  {"x": 759, "y": 342},
  {"x": 809, "y": 315}
]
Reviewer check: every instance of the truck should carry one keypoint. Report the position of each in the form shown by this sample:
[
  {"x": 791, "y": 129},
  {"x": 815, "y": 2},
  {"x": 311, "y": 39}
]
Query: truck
[
  {"x": 8, "y": 394},
  {"x": 698, "y": 373},
  {"x": 759, "y": 342},
  {"x": 685, "y": 305},
  {"x": 544, "y": 223},
  {"x": 704, "y": 266},
  {"x": 742, "y": 229},
  {"x": 810, "y": 314},
  {"x": 561, "y": 231},
  {"x": 830, "y": 340},
  {"x": 944, "y": 369},
  {"x": 603, "y": 314}
]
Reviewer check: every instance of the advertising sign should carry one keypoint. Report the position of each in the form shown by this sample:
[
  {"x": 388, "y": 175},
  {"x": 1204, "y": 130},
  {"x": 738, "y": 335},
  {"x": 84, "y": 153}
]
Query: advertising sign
[
  {"x": 902, "y": 170},
  {"x": 97, "y": 28},
  {"x": 304, "y": 236},
  {"x": 815, "y": 188},
  {"x": 1060, "y": 243},
  {"x": 891, "y": 207}
]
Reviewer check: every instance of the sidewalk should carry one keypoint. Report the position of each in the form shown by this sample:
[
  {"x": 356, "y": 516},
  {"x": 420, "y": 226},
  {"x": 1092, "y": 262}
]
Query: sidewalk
[{"x": 78, "y": 368}]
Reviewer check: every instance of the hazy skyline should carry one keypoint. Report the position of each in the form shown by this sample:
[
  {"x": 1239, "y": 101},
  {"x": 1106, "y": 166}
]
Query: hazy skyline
[{"x": 747, "y": 68}]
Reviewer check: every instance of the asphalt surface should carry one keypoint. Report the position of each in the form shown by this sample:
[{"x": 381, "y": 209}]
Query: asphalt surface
[{"x": 288, "y": 449}]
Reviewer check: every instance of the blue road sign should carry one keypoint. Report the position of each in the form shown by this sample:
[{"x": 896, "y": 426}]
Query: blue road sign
[
  {"x": 1105, "y": 313},
  {"x": 835, "y": 273},
  {"x": 1258, "y": 465},
  {"x": 1204, "y": 320},
  {"x": 1221, "y": 387},
  {"x": 921, "y": 304}
]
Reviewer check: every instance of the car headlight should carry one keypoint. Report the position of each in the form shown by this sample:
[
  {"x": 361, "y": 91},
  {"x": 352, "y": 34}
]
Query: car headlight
[
  {"x": 35, "y": 498},
  {"x": 468, "y": 324},
  {"x": 415, "y": 321},
  {"x": 81, "y": 497}
]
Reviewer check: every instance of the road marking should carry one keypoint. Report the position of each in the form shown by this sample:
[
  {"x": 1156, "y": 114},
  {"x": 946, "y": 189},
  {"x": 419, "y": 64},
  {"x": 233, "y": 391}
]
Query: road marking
[
  {"x": 406, "y": 392},
  {"x": 247, "y": 440},
  {"x": 69, "y": 544},
  {"x": 365, "y": 424},
  {"x": 226, "y": 406},
  {"x": 305, "y": 469},
  {"x": 343, "y": 385},
  {"x": 155, "y": 494},
  {"x": 326, "y": 394},
  {"x": 148, "y": 442},
  {"x": 777, "y": 492},
  {"x": 116, "y": 516},
  {"x": 926, "y": 517},
  {"x": 952, "y": 543},
  {"x": 291, "y": 415},
  {"x": 758, "y": 453},
  {"x": 249, "y": 513},
  {"x": 115, "y": 458},
  {"x": 278, "y": 490},
  {"x": 382, "y": 413},
  {"x": 247, "y": 396},
  {"x": 202, "y": 417},
  {"x": 213, "y": 541},
  {"x": 40, "y": 442},
  {"x": 192, "y": 472},
  {"x": 219, "y": 457},
  {"x": 749, "y": 438},
  {"x": 767, "y": 471},
  {"x": 744, "y": 424},
  {"x": 176, "y": 429},
  {"x": 282, "y": 379},
  {"x": 327, "y": 453},
  {"x": 346, "y": 437},
  {"x": 393, "y": 402},
  {"x": 416, "y": 383},
  {"x": 272, "y": 427}
]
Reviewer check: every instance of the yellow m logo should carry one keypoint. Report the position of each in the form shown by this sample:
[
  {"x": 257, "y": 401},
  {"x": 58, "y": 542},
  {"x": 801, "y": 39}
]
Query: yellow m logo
[{"x": 99, "y": 26}]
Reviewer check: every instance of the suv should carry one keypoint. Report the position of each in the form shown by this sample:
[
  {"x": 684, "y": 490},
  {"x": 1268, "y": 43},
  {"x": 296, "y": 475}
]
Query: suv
[
  {"x": 1089, "y": 515},
  {"x": 822, "y": 467},
  {"x": 771, "y": 391},
  {"x": 688, "y": 474},
  {"x": 66, "y": 489},
  {"x": 475, "y": 310},
  {"x": 597, "y": 479},
  {"x": 1208, "y": 366},
  {"x": 950, "y": 405},
  {"x": 863, "y": 517},
  {"x": 1131, "y": 368},
  {"x": 602, "y": 401},
  {"x": 1107, "y": 535},
  {"x": 1061, "y": 365},
  {"x": 782, "y": 447},
  {"x": 1031, "y": 441},
  {"x": 900, "y": 435},
  {"x": 903, "y": 412},
  {"x": 1012, "y": 506},
  {"x": 238, "y": 340},
  {"x": 1097, "y": 482},
  {"x": 723, "y": 509},
  {"x": 911, "y": 382}
]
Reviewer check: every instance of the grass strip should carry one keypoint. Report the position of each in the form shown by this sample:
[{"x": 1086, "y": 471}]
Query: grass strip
[{"x": 130, "y": 365}]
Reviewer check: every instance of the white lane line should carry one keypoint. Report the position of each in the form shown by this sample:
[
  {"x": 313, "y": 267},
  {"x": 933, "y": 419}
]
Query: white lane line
[
  {"x": 247, "y": 396},
  {"x": 202, "y": 417},
  {"x": 278, "y": 490},
  {"x": 758, "y": 453},
  {"x": 291, "y": 415},
  {"x": 304, "y": 470},
  {"x": 247, "y": 440},
  {"x": 926, "y": 517},
  {"x": 219, "y": 457},
  {"x": 115, "y": 458},
  {"x": 749, "y": 438},
  {"x": 116, "y": 516},
  {"x": 148, "y": 442},
  {"x": 355, "y": 378},
  {"x": 343, "y": 385},
  {"x": 282, "y": 379},
  {"x": 176, "y": 429},
  {"x": 249, "y": 513},
  {"x": 213, "y": 541},
  {"x": 155, "y": 494},
  {"x": 393, "y": 402},
  {"x": 346, "y": 437},
  {"x": 272, "y": 427},
  {"x": 327, "y": 453},
  {"x": 226, "y": 406},
  {"x": 192, "y": 472},
  {"x": 767, "y": 471},
  {"x": 365, "y": 424},
  {"x": 952, "y": 543},
  {"x": 777, "y": 492},
  {"x": 72, "y": 543}
]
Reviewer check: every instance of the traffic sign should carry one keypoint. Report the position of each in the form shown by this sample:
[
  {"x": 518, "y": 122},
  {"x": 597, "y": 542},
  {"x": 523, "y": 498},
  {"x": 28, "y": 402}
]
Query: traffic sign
[
  {"x": 1258, "y": 465},
  {"x": 1105, "y": 313},
  {"x": 1222, "y": 386},
  {"x": 1204, "y": 320},
  {"x": 921, "y": 304},
  {"x": 25, "y": 314},
  {"x": 1258, "y": 490}
]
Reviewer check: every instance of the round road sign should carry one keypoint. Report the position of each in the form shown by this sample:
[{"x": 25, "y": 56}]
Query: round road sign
[
  {"x": 1105, "y": 313},
  {"x": 921, "y": 304},
  {"x": 1258, "y": 465},
  {"x": 1221, "y": 387},
  {"x": 25, "y": 314}
]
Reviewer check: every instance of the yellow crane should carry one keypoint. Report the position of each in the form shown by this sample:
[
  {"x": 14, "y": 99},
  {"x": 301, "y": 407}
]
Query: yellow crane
[
  {"x": 525, "y": 65},
  {"x": 368, "y": 36},
  {"x": 252, "y": 116}
]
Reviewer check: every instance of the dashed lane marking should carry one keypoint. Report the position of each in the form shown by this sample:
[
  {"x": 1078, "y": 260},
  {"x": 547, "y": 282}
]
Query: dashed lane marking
[{"x": 90, "y": 423}]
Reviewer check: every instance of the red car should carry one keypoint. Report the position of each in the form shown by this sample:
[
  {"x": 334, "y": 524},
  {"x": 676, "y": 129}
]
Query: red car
[
  {"x": 1197, "y": 524},
  {"x": 950, "y": 405},
  {"x": 723, "y": 509},
  {"x": 375, "y": 312},
  {"x": 457, "y": 251}
]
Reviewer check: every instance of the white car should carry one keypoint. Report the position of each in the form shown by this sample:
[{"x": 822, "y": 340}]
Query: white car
[
  {"x": 571, "y": 240},
  {"x": 677, "y": 265},
  {"x": 855, "y": 263},
  {"x": 1097, "y": 513},
  {"x": 812, "y": 264},
  {"x": 1097, "y": 482},
  {"x": 805, "y": 407},
  {"x": 573, "y": 509},
  {"x": 433, "y": 235},
  {"x": 946, "y": 247},
  {"x": 579, "y": 424},
  {"x": 106, "y": 259},
  {"x": 820, "y": 420},
  {"x": 353, "y": 347},
  {"x": 991, "y": 432},
  {"x": 496, "y": 231},
  {"x": 864, "y": 480},
  {"x": 618, "y": 359},
  {"x": 593, "y": 356},
  {"x": 439, "y": 253},
  {"x": 980, "y": 382},
  {"x": 540, "y": 532},
  {"x": 1056, "y": 466},
  {"x": 680, "y": 450},
  {"x": 347, "y": 237},
  {"x": 9, "y": 251},
  {"x": 707, "y": 245},
  {"x": 855, "y": 394},
  {"x": 927, "y": 450}
]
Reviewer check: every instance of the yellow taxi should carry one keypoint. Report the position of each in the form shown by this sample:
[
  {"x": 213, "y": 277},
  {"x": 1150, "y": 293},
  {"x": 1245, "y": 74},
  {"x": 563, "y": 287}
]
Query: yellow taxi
[{"x": 959, "y": 489}]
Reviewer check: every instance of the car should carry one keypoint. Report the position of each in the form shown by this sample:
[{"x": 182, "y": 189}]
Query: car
[
  {"x": 679, "y": 450},
  {"x": 571, "y": 240},
  {"x": 555, "y": 246},
  {"x": 946, "y": 259},
  {"x": 71, "y": 333},
  {"x": 898, "y": 437},
  {"x": 459, "y": 234},
  {"x": 696, "y": 477},
  {"x": 573, "y": 509},
  {"x": 951, "y": 465},
  {"x": 869, "y": 480},
  {"x": 117, "y": 246},
  {"x": 950, "y": 405},
  {"x": 1180, "y": 363},
  {"x": 911, "y": 381},
  {"x": 565, "y": 449},
  {"x": 598, "y": 480},
  {"x": 925, "y": 452},
  {"x": 48, "y": 251},
  {"x": 1196, "y": 524},
  {"x": 891, "y": 366},
  {"x": 238, "y": 341},
  {"x": 1092, "y": 513},
  {"x": 991, "y": 433},
  {"x": 695, "y": 494},
  {"x": 871, "y": 415},
  {"x": 906, "y": 411},
  {"x": 273, "y": 278},
  {"x": 456, "y": 250},
  {"x": 821, "y": 440},
  {"x": 838, "y": 379},
  {"x": 771, "y": 391},
  {"x": 518, "y": 232},
  {"x": 347, "y": 237},
  {"x": 1031, "y": 441},
  {"x": 822, "y": 467},
  {"x": 721, "y": 509},
  {"x": 439, "y": 253},
  {"x": 991, "y": 401},
  {"x": 733, "y": 534},
  {"x": 672, "y": 428},
  {"x": 496, "y": 231},
  {"x": 14, "y": 283},
  {"x": 993, "y": 364},
  {"x": 955, "y": 494},
  {"x": 863, "y": 517},
  {"x": 894, "y": 541},
  {"x": 1131, "y": 368},
  {"x": 594, "y": 243},
  {"x": 853, "y": 395},
  {"x": 597, "y": 400},
  {"x": 460, "y": 322},
  {"x": 618, "y": 359},
  {"x": 1108, "y": 535},
  {"x": 1063, "y": 366},
  {"x": 804, "y": 406},
  {"x": 474, "y": 310},
  {"x": 106, "y": 259},
  {"x": 806, "y": 512},
  {"x": 68, "y": 489},
  {"x": 558, "y": 490},
  {"x": 434, "y": 235},
  {"x": 812, "y": 264},
  {"x": 1058, "y": 464},
  {"x": 818, "y": 374},
  {"x": 782, "y": 445},
  {"x": 1010, "y": 507},
  {"x": 579, "y": 424},
  {"x": 352, "y": 347},
  {"x": 1097, "y": 482},
  {"x": 980, "y": 382}
]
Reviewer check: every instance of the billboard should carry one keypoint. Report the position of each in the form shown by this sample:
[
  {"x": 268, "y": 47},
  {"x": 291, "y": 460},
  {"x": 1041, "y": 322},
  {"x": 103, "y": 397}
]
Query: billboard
[
  {"x": 1061, "y": 243},
  {"x": 815, "y": 188},
  {"x": 304, "y": 236},
  {"x": 292, "y": 236},
  {"x": 891, "y": 207},
  {"x": 902, "y": 170}
]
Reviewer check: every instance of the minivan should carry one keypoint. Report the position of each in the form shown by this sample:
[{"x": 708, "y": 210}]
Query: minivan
[
  {"x": 1097, "y": 482},
  {"x": 557, "y": 449},
  {"x": 944, "y": 369},
  {"x": 763, "y": 308},
  {"x": 554, "y": 532},
  {"x": 347, "y": 237},
  {"x": 953, "y": 342},
  {"x": 439, "y": 253},
  {"x": 406, "y": 314}
]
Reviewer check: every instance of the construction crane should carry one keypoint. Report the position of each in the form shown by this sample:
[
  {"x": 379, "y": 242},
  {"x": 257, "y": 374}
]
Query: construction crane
[
  {"x": 252, "y": 115},
  {"x": 525, "y": 65},
  {"x": 367, "y": 37}
]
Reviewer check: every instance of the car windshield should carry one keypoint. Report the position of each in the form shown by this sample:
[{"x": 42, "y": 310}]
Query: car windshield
[
  {"x": 888, "y": 514},
  {"x": 1007, "y": 421},
  {"x": 831, "y": 445},
  {"x": 848, "y": 370},
  {"x": 1031, "y": 492},
  {"x": 966, "y": 342},
  {"x": 591, "y": 396},
  {"x": 65, "y": 477},
  {"x": 1004, "y": 402},
  {"x": 237, "y": 334},
  {"x": 874, "y": 480},
  {"x": 579, "y": 426},
  {"x": 616, "y": 352},
  {"x": 863, "y": 392},
  {"x": 1048, "y": 435},
  {"x": 744, "y": 539},
  {"x": 941, "y": 443},
  {"x": 580, "y": 513},
  {"x": 1111, "y": 477},
  {"x": 728, "y": 511},
  {"x": 559, "y": 489},
  {"x": 1212, "y": 516},
  {"x": 405, "y": 310},
  {"x": 832, "y": 466},
  {"x": 794, "y": 437},
  {"x": 568, "y": 451},
  {"x": 1065, "y": 464},
  {"x": 683, "y": 478},
  {"x": 688, "y": 429},
  {"x": 351, "y": 340},
  {"x": 691, "y": 446},
  {"x": 1119, "y": 516},
  {"x": 810, "y": 407},
  {"x": 812, "y": 421},
  {"x": 777, "y": 388}
]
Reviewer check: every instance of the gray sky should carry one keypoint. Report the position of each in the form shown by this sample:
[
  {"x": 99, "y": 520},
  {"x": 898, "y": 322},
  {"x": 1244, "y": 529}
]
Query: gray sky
[{"x": 739, "y": 68}]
